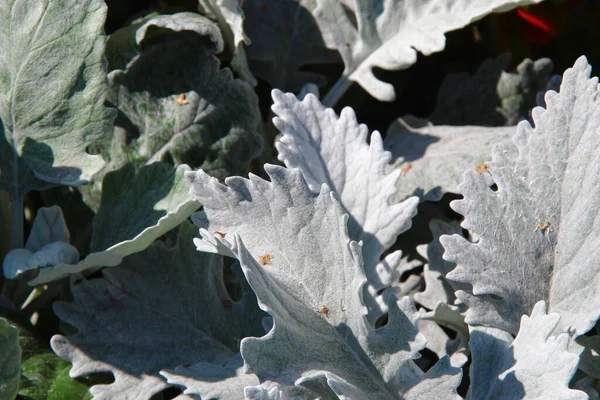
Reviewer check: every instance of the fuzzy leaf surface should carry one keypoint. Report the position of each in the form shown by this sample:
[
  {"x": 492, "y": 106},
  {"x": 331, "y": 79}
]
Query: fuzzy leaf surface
[
  {"x": 433, "y": 158},
  {"x": 437, "y": 288},
  {"x": 158, "y": 299},
  {"x": 308, "y": 275},
  {"x": 334, "y": 151},
  {"x": 539, "y": 232},
  {"x": 53, "y": 85},
  {"x": 388, "y": 34},
  {"x": 147, "y": 204},
  {"x": 535, "y": 365}
]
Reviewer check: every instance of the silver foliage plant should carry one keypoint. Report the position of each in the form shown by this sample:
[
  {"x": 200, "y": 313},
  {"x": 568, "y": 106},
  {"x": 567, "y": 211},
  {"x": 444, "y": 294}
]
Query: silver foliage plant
[
  {"x": 292, "y": 285},
  {"x": 306, "y": 238}
]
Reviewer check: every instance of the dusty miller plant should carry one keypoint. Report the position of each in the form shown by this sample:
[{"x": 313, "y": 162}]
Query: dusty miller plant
[{"x": 298, "y": 283}]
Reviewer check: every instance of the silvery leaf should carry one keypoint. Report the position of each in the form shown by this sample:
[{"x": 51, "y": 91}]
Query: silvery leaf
[
  {"x": 295, "y": 251},
  {"x": 433, "y": 158},
  {"x": 388, "y": 34},
  {"x": 537, "y": 231},
  {"x": 334, "y": 150},
  {"x": 536, "y": 365},
  {"x": 230, "y": 17}
]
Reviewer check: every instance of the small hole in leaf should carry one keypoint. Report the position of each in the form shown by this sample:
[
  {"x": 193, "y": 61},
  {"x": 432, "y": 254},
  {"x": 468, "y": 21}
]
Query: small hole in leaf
[
  {"x": 494, "y": 187},
  {"x": 427, "y": 360},
  {"x": 381, "y": 321},
  {"x": 93, "y": 149}
]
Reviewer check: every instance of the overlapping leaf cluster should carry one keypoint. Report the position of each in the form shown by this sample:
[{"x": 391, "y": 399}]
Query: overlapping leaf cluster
[{"x": 301, "y": 282}]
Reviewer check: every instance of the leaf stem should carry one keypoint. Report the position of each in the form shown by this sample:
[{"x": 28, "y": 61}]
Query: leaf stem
[
  {"x": 16, "y": 226},
  {"x": 336, "y": 92}
]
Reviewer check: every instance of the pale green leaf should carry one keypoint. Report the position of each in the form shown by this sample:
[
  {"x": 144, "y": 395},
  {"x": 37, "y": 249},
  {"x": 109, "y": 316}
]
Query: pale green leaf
[
  {"x": 161, "y": 308},
  {"x": 53, "y": 84},
  {"x": 179, "y": 107},
  {"x": 146, "y": 204}
]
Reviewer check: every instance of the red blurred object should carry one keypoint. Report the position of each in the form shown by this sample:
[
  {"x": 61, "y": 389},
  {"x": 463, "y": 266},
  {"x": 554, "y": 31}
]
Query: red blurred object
[{"x": 540, "y": 27}]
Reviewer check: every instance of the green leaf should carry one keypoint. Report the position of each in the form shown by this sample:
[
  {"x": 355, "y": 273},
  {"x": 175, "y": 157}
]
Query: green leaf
[
  {"x": 178, "y": 107},
  {"x": 53, "y": 83},
  {"x": 10, "y": 360},
  {"x": 121, "y": 45},
  {"x": 46, "y": 377},
  {"x": 179, "y": 22}
]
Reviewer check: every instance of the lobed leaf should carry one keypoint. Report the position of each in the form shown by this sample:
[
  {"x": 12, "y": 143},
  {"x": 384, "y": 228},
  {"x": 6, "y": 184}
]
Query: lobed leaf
[
  {"x": 538, "y": 231},
  {"x": 336, "y": 151},
  {"x": 388, "y": 34},
  {"x": 157, "y": 299},
  {"x": 308, "y": 275},
  {"x": 230, "y": 18},
  {"x": 178, "y": 107}
]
